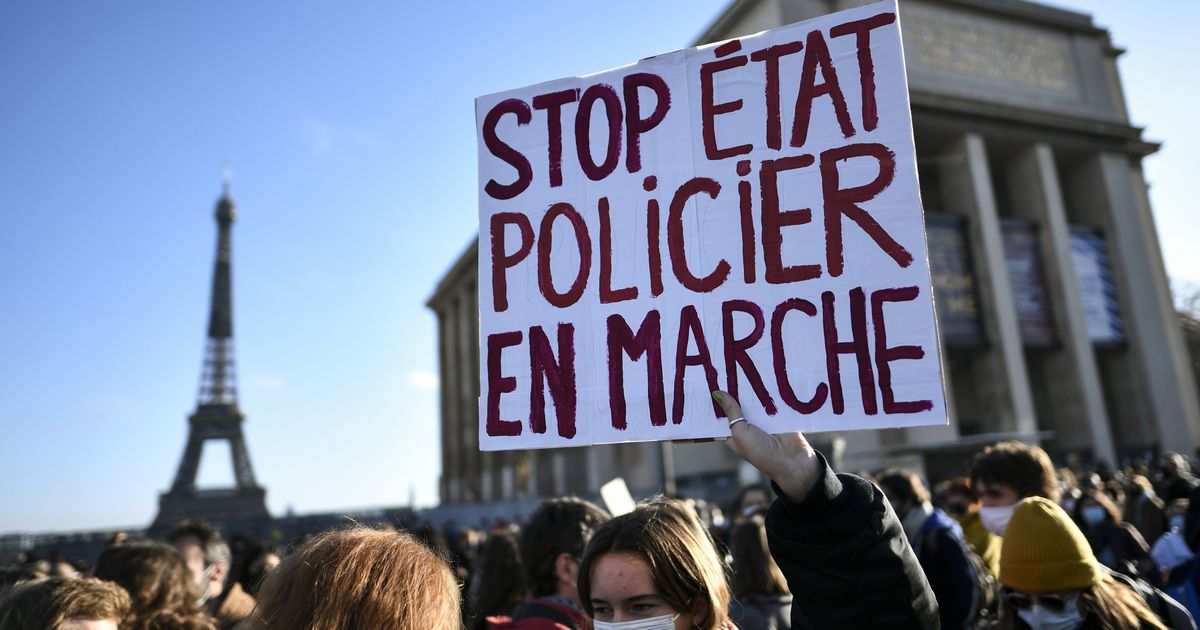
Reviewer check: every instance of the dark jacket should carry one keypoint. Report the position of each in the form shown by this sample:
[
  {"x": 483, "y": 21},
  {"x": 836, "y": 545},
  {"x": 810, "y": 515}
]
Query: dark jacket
[
  {"x": 846, "y": 559},
  {"x": 762, "y": 612},
  {"x": 943, "y": 556}
]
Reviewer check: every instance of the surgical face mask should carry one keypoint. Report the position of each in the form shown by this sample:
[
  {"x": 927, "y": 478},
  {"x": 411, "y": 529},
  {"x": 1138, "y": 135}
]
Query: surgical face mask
[
  {"x": 995, "y": 519},
  {"x": 1041, "y": 618},
  {"x": 1176, "y": 523},
  {"x": 662, "y": 622},
  {"x": 1094, "y": 515},
  {"x": 202, "y": 583}
]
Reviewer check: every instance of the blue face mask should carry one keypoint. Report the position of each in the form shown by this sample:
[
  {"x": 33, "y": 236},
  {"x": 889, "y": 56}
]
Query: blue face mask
[
  {"x": 1094, "y": 515},
  {"x": 662, "y": 622},
  {"x": 1177, "y": 523}
]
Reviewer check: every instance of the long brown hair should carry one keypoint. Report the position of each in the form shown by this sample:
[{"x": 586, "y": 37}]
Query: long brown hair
[
  {"x": 1118, "y": 607},
  {"x": 159, "y": 584},
  {"x": 684, "y": 565},
  {"x": 501, "y": 584},
  {"x": 360, "y": 578},
  {"x": 754, "y": 571}
]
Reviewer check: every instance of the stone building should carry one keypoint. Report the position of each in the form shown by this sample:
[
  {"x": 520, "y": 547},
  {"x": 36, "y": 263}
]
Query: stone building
[{"x": 1053, "y": 303}]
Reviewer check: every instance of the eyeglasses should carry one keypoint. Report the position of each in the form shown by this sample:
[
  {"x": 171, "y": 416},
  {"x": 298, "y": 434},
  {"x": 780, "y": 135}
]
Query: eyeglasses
[{"x": 1054, "y": 602}]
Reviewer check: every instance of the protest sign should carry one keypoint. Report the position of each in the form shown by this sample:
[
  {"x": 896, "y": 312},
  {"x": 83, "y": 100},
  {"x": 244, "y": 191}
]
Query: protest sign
[{"x": 741, "y": 216}]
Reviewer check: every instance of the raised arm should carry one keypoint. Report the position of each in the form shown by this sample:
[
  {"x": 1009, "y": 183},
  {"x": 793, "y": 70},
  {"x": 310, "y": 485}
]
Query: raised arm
[{"x": 835, "y": 537}]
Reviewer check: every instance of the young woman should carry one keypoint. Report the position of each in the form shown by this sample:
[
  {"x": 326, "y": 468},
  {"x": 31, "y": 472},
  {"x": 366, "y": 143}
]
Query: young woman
[
  {"x": 1053, "y": 581},
  {"x": 655, "y": 568},
  {"x": 159, "y": 583}
]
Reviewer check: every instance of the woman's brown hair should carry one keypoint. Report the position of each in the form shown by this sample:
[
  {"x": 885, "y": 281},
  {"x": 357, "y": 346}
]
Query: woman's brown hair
[
  {"x": 1118, "y": 607},
  {"x": 360, "y": 578},
  {"x": 684, "y": 565},
  {"x": 159, "y": 585},
  {"x": 754, "y": 570}
]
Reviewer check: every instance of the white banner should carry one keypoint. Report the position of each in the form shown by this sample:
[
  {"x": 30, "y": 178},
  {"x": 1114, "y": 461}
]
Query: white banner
[{"x": 741, "y": 216}]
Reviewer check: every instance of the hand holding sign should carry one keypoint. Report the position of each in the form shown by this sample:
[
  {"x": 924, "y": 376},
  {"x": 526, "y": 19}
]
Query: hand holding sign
[{"x": 788, "y": 459}]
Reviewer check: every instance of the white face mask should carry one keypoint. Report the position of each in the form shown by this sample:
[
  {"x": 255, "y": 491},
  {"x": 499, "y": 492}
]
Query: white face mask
[
  {"x": 202, "y": 583},
  {"x": 662, "y": 622},
  {"x": 995, "y": 519},
  {"x": 1039, "y": 618}
]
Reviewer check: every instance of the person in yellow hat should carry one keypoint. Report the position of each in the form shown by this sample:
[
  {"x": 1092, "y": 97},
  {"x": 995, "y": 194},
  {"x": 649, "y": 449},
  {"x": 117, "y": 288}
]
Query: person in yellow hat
[{"x": 1052, "y": 580}]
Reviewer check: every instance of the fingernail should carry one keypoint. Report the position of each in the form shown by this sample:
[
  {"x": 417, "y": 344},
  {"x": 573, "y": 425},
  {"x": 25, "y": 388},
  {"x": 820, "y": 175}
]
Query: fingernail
[{"x": 718, "y": 397}]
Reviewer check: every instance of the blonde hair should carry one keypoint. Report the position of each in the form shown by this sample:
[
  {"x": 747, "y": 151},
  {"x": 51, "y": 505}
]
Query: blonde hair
[
  {"x": 360, "y": 578},
  {"x": 684, "y": 565}
]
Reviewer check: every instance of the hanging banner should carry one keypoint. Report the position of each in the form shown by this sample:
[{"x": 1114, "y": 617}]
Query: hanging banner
[
  {"x": 1099, "y": 296},
  {"x": 954, "y": 288},
  {"x": 1023, "y": 257},
  {"x": 740, "y": 216}
]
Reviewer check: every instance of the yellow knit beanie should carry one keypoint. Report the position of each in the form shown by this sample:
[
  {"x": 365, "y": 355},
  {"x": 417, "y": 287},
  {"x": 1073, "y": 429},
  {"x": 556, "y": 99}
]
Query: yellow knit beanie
[{"x": 1043, "y": 550}]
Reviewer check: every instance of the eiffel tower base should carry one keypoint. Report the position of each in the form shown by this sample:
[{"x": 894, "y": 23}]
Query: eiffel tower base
[{"x": 220, "y": 508}]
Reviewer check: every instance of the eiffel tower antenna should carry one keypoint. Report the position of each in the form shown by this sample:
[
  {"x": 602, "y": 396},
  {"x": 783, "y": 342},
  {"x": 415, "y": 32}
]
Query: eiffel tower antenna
[{"x": 217, "y": 416}]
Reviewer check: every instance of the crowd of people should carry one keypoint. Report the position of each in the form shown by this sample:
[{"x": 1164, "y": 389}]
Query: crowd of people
[{"x": 1013, "y": 543}]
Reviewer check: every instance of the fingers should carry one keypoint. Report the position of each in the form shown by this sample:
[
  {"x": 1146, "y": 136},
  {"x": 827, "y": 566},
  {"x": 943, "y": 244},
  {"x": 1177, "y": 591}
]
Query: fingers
[
  {"x": 788, "y": 458},
  {"x": 747, "y": 441},
  {"x": 728, "y": 404}
]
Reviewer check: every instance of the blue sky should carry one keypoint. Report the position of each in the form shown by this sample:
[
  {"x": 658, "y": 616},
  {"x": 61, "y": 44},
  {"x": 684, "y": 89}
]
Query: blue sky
[{"x": 350, "y": 130}]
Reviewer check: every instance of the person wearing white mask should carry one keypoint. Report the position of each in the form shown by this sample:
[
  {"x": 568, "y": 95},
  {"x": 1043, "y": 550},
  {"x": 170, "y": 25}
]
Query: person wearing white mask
[
  {"x": 655, "y": 568},
  {"x": 1006, "y": 473},
  {"x": 1052, "y": 580}
]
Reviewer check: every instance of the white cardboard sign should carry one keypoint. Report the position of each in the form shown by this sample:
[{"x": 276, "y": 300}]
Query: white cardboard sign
[{"x": 741, "y": 216}]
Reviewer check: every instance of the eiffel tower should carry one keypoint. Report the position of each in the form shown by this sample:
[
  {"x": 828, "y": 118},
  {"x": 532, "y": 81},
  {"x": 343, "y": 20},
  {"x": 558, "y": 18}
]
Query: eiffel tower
[{"x": 217, "y": 416}]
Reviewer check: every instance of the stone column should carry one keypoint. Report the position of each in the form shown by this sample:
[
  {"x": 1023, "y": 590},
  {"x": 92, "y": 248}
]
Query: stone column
[
  {"x": 444, "y": 403},
  {"x": 466, "y": 331},
  {"x": 967, "y": 185},
  {"x": 1081, "y": 419},
  {"x": 560, "y": 473},
  {"x": 1151, "y": 322}
]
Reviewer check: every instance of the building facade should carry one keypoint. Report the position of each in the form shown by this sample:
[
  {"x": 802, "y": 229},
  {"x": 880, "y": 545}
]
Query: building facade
[{"x": 1054, "y": 308}]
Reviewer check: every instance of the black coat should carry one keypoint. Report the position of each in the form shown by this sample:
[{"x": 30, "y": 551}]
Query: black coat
[
  {"x": 846, "y": 559},
  {"x": 943, "y": 556}
]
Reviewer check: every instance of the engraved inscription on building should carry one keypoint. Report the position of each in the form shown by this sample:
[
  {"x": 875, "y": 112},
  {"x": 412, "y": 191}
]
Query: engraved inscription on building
[{"x": 944, "y": 42}]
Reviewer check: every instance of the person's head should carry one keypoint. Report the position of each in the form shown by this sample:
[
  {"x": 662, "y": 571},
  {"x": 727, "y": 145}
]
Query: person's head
[
  {"x": 656, "y": 561},
  {"x": 1171, "y": 465},
  {"x": 62, "y": 568},
  {"x": 360, "y": 578},
  {"x": 1139, "y": 484},
  {"x": 903, "y": 489},
  {"x": 751, "y": 499},
  {"x": 754, "y": 570},
  {"x": 157, "y": 580},
  {"x": 205, "y": 553},
  {"x": 1005, "y": 474},
  {"x": 500, "y": 582},
  {"x": 61, "y": 603},
  {"x": 1095, "y": 509},
  {"x": 552, "y": 543},
  {"x": 957, "y": 497},
  {"x": 265, "y": 560},
  {"x": 1050, "y": 574}
]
